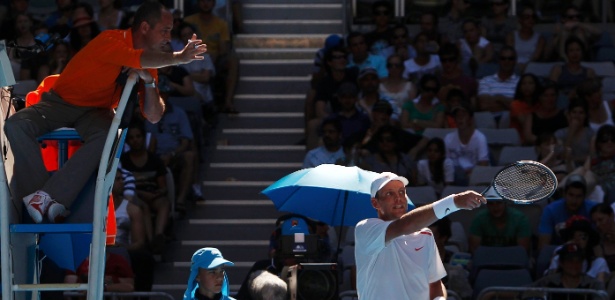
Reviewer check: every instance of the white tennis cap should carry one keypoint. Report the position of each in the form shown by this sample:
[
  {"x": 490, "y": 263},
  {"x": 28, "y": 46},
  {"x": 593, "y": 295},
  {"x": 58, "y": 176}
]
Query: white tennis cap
[{"x": 383, "y": 179}]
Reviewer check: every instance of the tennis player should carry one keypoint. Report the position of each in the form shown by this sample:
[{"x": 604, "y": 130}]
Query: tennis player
[{"x": 396, "y": 255}]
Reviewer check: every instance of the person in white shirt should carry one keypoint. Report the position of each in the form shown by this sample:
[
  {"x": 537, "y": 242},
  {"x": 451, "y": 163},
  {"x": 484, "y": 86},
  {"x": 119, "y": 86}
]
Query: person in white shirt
[
  {"x": 331, "y": 150},
  {"x": 466, "y": 146},
  {"x": 396, "y": 256}
]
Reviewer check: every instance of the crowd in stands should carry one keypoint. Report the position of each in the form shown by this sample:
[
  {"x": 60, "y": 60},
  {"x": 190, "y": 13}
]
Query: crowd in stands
[
  {"x": 160, "y": 174},
  {"x": 379, "y": 97}
]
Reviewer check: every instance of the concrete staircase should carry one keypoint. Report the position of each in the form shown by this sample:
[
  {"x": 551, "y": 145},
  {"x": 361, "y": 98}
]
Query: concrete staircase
[{"x": 260, "y": 145}]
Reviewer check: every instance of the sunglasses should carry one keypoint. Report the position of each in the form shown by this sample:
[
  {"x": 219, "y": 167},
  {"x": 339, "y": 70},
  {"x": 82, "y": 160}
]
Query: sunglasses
[
  {"x": 448, "y": 59},
  {"x": 334, "y": 57},
  {"x": 395, "y": 37},
  {"x": 387, "y": 138},
  {"x": 430, "y": 89},
  {"x": 393, "y": 65},
  {"x": 607, "y": 139},
  {"x": 382, "y": 13},
  {"x": 508, "y": 58}
]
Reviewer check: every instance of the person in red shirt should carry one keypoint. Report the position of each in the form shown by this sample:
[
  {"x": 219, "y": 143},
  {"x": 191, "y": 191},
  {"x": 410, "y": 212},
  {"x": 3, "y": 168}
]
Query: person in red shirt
[{"x": 83, "y": 97}]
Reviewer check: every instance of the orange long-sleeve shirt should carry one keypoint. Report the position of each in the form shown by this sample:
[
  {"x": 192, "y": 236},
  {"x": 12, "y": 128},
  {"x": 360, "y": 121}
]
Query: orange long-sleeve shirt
[{"x": 89, "y": 78}]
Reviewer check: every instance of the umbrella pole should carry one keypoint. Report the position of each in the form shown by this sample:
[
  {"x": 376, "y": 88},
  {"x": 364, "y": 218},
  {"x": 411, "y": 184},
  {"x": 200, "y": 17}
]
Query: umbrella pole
[{"x": 339, "y": 236}]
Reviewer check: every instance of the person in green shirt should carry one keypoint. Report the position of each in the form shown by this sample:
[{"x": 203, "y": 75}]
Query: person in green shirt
[{"x": 499, "y": 226}]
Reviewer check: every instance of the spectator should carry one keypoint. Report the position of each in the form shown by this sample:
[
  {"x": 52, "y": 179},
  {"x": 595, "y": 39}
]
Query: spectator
[
  {"x": 29, "y": 63},
  {"x": 498, "y": 25},
  {"x": 500, "y": 226},
  {"x": 454, "y": 98},
  {"x": 400, "y": 44},
  {"x": 119, "y": 276},
  {"x": 603, "y": 219},
  {"x": 526, "y": 96},
  {"x": 452, "y": 76},
  {"x": 215, "y": 33},
  {"x": 110, "y": 14},
  {"x": 425, "y": 62},
  {"x": 456, "y": 276},
  {"x": 603, "y": 164},
  {"x": 579, "y": 231},
  {"x": 331, "y": 150},
  {"x": 428, "y": 24},
  {"x": 369, "y": 94},
  {"x": 528, "y": 43},
  {"x": 496, "y": 92},
  {"x": 578, "y": 135},
  {"x": 546, "y": 117},
  {"x": 474, "y": 48},
  {"x": 387, "y": 157},
  {"x": 208, "y": 278},
  {"x": 131, "y": 234},
  {"x": 553, "y": 155},
  {"x": 84, "y": 28},
  {"x": 571, "y": 73},
  {"x": 600, "y": 112},
  {"x": 452, "y": 23},
  {"x": 173, "y": 144},
  {"x": 7, "y": 25},
  {"x": 378, "y": 39},
  {"x": 60, "y": 21},
  {"x": 381, "y": 116},
  {"x": 267, "y": 286},
  {"x": 436, "y": 170},
  {"x": 556, "y": 213},
  {"x": 466, "y": 146},
  {"x": 325, "y": 100},
  {"x": 360, "y": 56},
  {"x": 426, "y": 110},
  {"x": 354, "y": 121},
  {"x": 149, "y": 172},
  {"x": 58, "y": 58},
  {"x": 570, "y": 274},
  {"x": 395, "y": 86},
  {"x": 571, "y": 25},
  {"x": 320, "y": 66},
  {"x": 174, "y": 81}
]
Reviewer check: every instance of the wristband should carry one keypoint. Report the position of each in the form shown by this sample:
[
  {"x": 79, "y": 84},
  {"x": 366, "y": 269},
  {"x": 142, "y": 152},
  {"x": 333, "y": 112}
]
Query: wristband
[
  {"x": 445, "y": 207},
  {"x": 439, "y": 298}
]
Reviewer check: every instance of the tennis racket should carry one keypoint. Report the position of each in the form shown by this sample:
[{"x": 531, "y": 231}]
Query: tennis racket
[{"x": 522, "y": 182}]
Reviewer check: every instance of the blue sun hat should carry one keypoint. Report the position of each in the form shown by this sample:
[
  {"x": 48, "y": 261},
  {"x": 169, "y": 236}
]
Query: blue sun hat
[{"x": 206, "y": 258}]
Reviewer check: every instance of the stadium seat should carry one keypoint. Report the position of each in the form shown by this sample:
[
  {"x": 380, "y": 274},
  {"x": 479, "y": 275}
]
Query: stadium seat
[
  {"x": 544, "y": 259},
  {"x": 498, "y": 258},
  {"x": 484, "y": 119},
  {"x": 540, "y": 69},
  {"x": 501, "y": 136},
  {"x": 483, "y": 175},
  {"x": 504, "y": 278},
  {"x": 602, "y": 68},
  {"x": 533, "y": 212},
  {"x": 511, "y": 154},
  {"x": 608, "y": 88},
  {"x": 421, "y": 194},
  {"x": 437, "y": 132}
]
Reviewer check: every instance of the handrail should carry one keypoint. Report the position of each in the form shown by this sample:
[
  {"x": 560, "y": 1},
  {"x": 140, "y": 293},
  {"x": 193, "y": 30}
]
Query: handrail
[
  {"x": 104, "y": 182},
  {"x": 117, "y": 295},
  {"x": 598, "y": 294}
]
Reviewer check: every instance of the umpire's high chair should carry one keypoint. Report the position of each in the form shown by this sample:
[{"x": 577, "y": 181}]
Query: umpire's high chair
[{"x": 19, "y": 242}]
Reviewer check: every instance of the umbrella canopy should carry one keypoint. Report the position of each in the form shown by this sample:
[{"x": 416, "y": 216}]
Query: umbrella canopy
[
  {"x": 67, "y": 250},
  {"x": 336, "y": 195}
]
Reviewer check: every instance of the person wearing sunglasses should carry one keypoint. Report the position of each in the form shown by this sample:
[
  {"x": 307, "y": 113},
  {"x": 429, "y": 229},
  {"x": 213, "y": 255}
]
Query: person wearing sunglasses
[
  {"x": 571, "y": 24},
  {"x": 378, "y": 39},
  {"x": 528, "y": 42},
  {"x": 452, "y": 76},
  {"x": 400, "y": 44},
  {"x": 571, "y": 73},
  {"x": 603, "y": 162},
  {"x": 426, "y": 110},
  {"x": 496, "y": 92},
  {"x": 450, "y": 25},
  {"x": 395, "y": 86}
]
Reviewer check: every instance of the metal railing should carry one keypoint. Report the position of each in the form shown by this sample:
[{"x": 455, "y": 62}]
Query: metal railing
[
  {"x": 118, "y": 295},
  {"x": 500, "y": 292}
]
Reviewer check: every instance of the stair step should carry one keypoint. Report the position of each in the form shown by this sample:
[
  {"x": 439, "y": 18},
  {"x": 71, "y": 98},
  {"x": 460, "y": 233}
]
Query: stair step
[
  {"x": 225, "y": 229},
  {"x": 263, "y": 120},
  {"x": 293, "y": 26},
  {"x": 51, "y": 228},
  {"x": 262, "y": 136},
  {"x": 250, "y": 251},
  {"x": 276, "y": 67},
  {"x": 176, "y": 277},
  {"x": 50, "y": 287},
  {"x": 234, "y": 190},
  {"x": 270, "y": 102},
  {"x": 280, "y": 41},
  {"x": 292, "y": 10},
  {"x": 283, "y": 154},
  {"x": 206, "y": 211},
  {"x": 273, "y": 84},
  {"x": 276, "y": 53}
]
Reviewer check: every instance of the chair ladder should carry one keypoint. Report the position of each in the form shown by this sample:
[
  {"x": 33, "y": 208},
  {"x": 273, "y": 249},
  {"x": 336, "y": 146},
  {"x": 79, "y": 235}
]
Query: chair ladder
[{"x": 11, "y": 234}]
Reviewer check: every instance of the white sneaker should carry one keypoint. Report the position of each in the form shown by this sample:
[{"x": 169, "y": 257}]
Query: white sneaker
[
  {"x": 37, "y": 205},
  {"x": 57, "y": 213}
]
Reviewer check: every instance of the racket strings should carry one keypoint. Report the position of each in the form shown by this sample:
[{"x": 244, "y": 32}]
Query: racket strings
[{"x": 525, "y": 182}]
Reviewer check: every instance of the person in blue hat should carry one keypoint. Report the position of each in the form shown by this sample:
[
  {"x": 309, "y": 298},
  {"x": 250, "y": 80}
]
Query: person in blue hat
[{"x": 208, "y": 280}]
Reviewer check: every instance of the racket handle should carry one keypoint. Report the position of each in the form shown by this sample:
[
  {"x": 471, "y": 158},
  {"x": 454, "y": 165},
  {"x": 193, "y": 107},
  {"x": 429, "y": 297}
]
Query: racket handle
[{"x": 445, "y": 207}]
